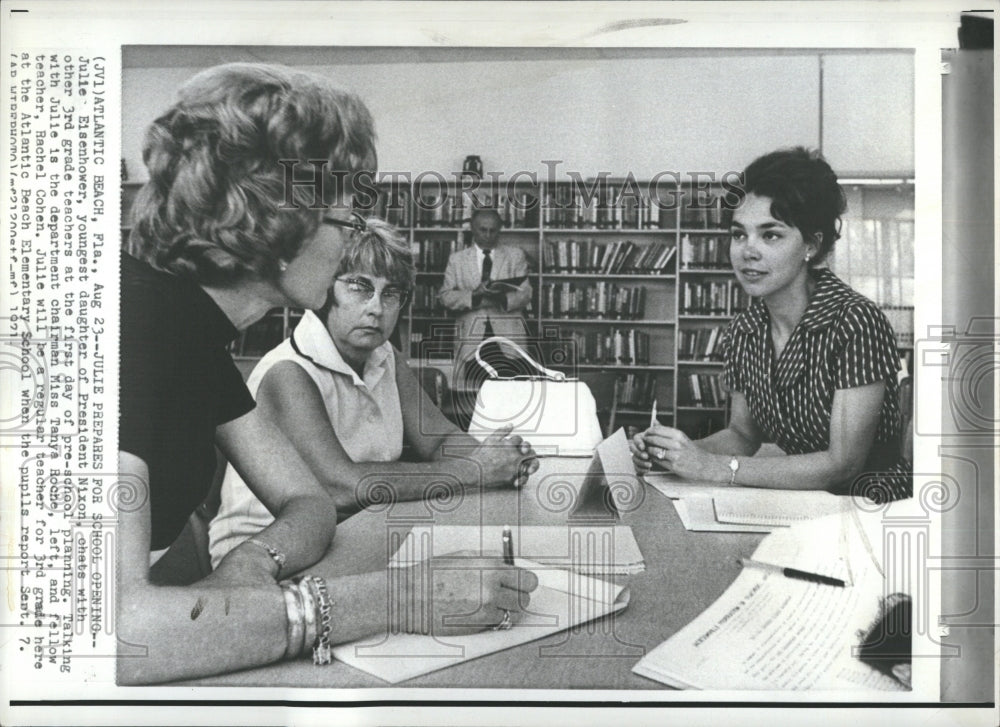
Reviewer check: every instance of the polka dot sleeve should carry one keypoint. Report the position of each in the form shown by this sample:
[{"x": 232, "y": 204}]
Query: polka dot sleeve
[{"x": 868, "y": 348}]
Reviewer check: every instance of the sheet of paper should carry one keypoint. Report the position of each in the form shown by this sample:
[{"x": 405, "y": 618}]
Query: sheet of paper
[
  {"x": 697, "y": 513},
  {"x": 675, "y": 488},
  {"x": 561, "y": 601},
  {"x": 719, "y": 508},
  {"x": 771, "y": 632},
  {"x": 619, "y": 471},
  {"x": 754, "y": 506},
  {"x": 821, "y": 545},
  {"x": 592, "y": 549}
]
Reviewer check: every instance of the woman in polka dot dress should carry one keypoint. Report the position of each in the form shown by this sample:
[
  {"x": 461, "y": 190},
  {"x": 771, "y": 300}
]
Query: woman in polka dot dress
[{"x": 811, "y": 365}]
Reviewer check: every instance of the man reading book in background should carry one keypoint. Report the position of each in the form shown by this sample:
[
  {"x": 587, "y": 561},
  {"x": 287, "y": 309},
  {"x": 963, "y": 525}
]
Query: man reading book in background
[{"x": 487, "y": 285}]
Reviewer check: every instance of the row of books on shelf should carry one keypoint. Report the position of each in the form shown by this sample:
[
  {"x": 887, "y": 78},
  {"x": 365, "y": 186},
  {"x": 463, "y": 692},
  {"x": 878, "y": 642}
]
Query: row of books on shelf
[
  {"x": 431, "y": 256},
  {"x": 623, "y": 207},
  {"x": 703, "y": 252},
  {"x": 444, "y": 208},
  {"x": 607, "y": 258},
  {"x": 600, "y": 300},
  {"x": 700, "y": 344},
  {"x": 700, "y": 390},
  {"x": 265, "y": 334},
  {"x": 425, "y": 300},
  {"x": 614, "y": 347},
  {"x": 394, "y": 205},
  {"x": 604, "y": 207},
  {"x": 635, "y": 390},
  {"x": 713, "y": 298}
]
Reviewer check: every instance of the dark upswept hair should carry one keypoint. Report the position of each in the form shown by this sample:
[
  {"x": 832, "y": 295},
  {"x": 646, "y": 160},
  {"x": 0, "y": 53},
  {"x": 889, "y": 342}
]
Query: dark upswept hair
[
  {"x": 380, "y": 251},
  {"x": 216, "y": 208},
  {"x": 804, "y": 193}
]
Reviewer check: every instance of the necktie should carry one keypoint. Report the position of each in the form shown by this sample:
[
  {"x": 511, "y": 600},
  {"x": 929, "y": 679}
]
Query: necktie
[{"x": 487, "y": 266}]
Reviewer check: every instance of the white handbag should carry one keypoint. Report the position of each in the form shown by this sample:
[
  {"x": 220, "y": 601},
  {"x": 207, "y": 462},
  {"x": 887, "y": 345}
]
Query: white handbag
[{"x": 556, "y": 414}]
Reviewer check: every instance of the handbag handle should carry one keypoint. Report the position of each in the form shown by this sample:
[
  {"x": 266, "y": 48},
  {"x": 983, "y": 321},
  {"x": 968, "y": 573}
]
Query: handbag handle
[{"x": 494, "y": 374}]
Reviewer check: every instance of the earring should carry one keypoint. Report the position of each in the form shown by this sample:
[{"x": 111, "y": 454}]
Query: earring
[
  {"x": 283, "y": 266},
  {"x": 807, "y": 257}
]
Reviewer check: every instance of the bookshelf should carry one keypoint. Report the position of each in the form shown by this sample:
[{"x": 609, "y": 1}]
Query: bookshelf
[
  {"x": 604, "y": 270},
  {"x": 631, "y": 292}
]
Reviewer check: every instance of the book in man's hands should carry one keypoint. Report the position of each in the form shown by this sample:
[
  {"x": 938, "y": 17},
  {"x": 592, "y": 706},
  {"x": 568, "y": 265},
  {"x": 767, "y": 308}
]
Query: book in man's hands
[{"x": 506, "y": 285}]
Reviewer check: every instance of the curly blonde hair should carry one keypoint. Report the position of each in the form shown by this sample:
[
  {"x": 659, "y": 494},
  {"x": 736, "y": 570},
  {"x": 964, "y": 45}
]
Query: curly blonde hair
[{"x": 218, "y": 207}]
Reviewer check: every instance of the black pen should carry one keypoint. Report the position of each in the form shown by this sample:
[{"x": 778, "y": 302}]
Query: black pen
[
  {"x": 508, "y": 546},
  {"x": 799, "y": 575}
]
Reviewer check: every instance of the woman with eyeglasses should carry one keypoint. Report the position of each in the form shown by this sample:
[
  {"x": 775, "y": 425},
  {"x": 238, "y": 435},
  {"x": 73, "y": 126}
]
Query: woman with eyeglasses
[
  {"x": 221, "y": 237},
  {"x": 348, "y": 402}
]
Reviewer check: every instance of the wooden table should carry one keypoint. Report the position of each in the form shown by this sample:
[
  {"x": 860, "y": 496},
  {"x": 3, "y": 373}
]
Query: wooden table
[{"x": 685, "y": 572}]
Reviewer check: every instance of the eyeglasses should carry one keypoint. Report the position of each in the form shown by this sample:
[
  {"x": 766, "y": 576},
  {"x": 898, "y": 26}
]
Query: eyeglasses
[
  {"x": 356, "y": 222},
  {"x": 361, "y": 291}
]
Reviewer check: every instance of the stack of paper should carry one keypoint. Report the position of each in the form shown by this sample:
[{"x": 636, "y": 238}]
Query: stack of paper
[
  {"x": 750, "y": 506},
  {"x": 770, "y": 631},
  {"x": 590, "y": 549},
  {"x": 561, "y": 601},
  {"x": 704, "y": 507}
]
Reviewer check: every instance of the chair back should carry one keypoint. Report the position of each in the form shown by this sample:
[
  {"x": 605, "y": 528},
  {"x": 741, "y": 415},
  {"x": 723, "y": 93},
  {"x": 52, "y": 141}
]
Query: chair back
[
  {"x": 906, "y": 414},
  {"x": 435, "y": 384}
]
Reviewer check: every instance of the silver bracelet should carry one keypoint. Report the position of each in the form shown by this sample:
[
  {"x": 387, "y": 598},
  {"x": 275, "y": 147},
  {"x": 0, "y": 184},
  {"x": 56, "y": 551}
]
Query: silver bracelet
[
  {"x": 276, "y": 555},
  {"x": 295, "y": 620},
  {"x": 311, "y": 610}
]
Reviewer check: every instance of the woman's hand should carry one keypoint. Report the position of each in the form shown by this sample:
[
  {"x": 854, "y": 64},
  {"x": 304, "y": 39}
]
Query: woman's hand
[
  {"x": 640, "y": 457},
  {"x": 506, "y": 459},
  {"x": 671, "y": 449},
  {"x": 460, "y": 593}
]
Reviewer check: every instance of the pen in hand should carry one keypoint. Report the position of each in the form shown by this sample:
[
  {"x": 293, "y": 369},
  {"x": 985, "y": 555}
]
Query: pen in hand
[
  {"x": 655, "y": 452},
  {"x": 508, "y": 558},
  {"x": 508, "y": 546}
]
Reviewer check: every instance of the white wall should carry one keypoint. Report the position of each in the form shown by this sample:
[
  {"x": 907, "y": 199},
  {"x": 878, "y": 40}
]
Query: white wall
[
  {"x": 868, "y": 113},
  {"x": 700, "y": 112}
]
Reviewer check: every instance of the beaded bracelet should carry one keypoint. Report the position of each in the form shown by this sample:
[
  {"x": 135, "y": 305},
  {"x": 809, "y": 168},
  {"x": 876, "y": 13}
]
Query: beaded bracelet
[{"x": 322, "y": 649}]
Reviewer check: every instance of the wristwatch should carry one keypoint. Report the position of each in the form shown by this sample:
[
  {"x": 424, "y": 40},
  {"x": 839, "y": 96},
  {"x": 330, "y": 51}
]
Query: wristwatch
[{"x": 734, "y": 466}]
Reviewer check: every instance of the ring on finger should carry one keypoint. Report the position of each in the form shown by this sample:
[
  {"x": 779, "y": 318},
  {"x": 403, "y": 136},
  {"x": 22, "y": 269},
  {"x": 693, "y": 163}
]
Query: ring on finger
[
  {"x": 657, "y": 452},
  {"x": 505, "y": 623}
]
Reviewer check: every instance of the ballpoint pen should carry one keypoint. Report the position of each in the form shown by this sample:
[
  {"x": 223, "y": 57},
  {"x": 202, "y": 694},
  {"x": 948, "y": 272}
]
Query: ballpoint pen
[
  {"x": 655, "y": 452},
  {"x": 508, "y": 558},
  {"x": 508, "y": 546},
  {"x": 798, "y": 575}
]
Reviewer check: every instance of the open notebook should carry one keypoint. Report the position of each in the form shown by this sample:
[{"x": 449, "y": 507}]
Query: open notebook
[
  {"x": 561, "y": 601},
  {"x": 590, "y": 549}
]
